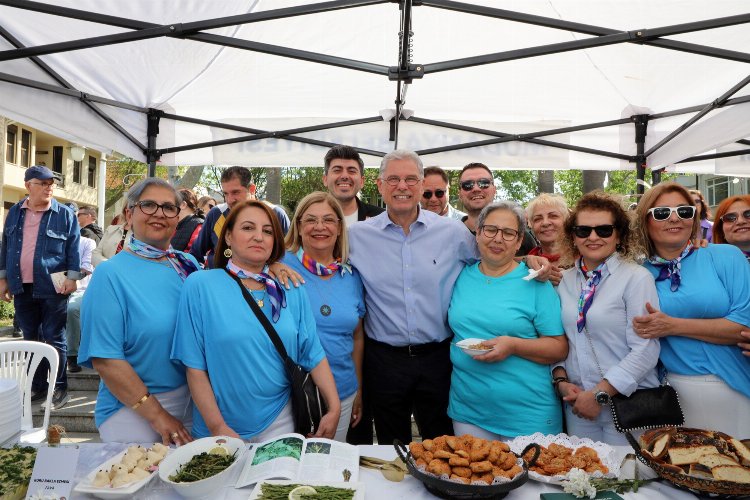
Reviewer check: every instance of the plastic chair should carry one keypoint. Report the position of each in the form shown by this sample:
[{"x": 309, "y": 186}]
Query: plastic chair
[{"x": 17, "y": 362}]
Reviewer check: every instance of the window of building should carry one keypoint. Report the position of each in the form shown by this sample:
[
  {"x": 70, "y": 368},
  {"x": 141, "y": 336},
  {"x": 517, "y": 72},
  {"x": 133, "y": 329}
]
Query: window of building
[
  {"x": 25, "y": 148},
  {"x": 92, "y": 171},
  {"x": 11, "y": 136},
  {"x": 717, "y": 189},
  {"x": 57, "y": 159},
  {"x": 77, "y": 167}
]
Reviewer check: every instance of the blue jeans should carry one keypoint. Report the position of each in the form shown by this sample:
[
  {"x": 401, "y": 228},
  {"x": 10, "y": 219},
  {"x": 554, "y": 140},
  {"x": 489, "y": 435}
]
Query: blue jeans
[{"x": 43, "y": 320}]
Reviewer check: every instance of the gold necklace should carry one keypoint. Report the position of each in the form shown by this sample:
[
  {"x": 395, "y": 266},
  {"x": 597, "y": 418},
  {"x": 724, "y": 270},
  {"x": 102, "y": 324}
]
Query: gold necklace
[{"x": 259, "y": 301}]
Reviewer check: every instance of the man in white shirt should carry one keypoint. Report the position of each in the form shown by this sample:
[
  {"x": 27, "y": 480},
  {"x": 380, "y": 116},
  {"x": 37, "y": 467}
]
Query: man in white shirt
[
  {"x": 436, "y": 195},
  {"x": 344, "y": 176}
]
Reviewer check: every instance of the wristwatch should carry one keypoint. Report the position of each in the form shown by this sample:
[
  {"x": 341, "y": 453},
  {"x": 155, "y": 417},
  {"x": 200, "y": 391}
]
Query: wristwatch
[{"x": 602, "y": 398}]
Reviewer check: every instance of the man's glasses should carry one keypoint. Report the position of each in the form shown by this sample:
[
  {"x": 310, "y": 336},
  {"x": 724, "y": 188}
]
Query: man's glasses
[
  {"x": 439, "y": 193},
  {"x": 483, "y": 183},
  {"x": 395, "y": 180},
  {"x": 664, "y": 213},
  {"x": 48, "y": 184},
  {"x": 491, "y": 231},
  {"x": 731, "y": 217},
  {"x": 149, "y": 207},
  {"x": 313, "y": 221},
  {"x": 603, "y": 231}
]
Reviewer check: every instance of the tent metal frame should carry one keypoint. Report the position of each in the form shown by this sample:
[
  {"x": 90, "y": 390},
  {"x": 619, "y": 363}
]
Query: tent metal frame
[{"x": 402, "y": 74}]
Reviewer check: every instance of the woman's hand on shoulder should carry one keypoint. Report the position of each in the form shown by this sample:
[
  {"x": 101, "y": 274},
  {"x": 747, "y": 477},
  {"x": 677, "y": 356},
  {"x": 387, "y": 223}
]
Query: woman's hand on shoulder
[
  {"x": 541, "y": 264},
  {"x": 285, "y": 274},
  {"x": 328, "y": 424},
  {"x": 501, "y": 348}
]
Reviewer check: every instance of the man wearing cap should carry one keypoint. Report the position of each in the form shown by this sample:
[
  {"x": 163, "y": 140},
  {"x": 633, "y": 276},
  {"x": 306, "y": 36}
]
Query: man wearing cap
[{"x": 41, "y": 239}]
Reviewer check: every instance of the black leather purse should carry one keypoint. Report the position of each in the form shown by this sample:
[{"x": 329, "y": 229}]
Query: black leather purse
[
  {"x": 645, "y": 408},
  {"x": 308, "y": 407}
]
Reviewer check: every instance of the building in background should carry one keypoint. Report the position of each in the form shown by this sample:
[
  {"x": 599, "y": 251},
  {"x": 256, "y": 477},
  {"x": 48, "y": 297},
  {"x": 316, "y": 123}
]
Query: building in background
[
  {"x": 716, "y": 188},
  {"x": 24, "y": 146}
]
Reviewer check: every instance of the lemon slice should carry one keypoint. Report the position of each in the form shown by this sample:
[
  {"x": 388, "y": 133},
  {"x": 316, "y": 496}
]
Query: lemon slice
[
  {"x": 301, "y": 491},
  {"x": 218, "y": 450}
]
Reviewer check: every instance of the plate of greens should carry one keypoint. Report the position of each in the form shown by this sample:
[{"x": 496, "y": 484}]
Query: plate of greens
[{"x": 282, "y": 490}]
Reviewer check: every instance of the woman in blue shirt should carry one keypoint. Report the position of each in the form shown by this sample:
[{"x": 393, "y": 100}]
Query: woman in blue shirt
[
  {"x": 508, "y": 391},
  {"x": 237, "y": 378},
  {"x": 317, "y": 248},
  {"x": 704, "y": 296},
  {"x": 128, "y": 317},
  {"x": 600, "y": 296}
]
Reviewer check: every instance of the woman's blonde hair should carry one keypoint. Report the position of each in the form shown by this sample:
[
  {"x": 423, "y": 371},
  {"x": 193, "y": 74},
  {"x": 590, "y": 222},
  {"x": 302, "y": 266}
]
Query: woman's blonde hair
[
  {"x": 648, "y": 200},
  {"x": 547, "y": 200},
  {"x": 293, "y": 240}
]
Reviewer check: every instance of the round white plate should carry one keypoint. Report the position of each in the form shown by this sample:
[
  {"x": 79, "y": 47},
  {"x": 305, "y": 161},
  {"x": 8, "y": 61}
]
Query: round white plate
[{"x": 465, "y": 344}]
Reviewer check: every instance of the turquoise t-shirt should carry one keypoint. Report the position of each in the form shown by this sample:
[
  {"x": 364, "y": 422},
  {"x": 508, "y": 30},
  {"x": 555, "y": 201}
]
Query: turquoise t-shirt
[
  {"x": 129, "y": 312},
  {"x": 515, "y": 396},
  {"x": 715, "y": 283},
  {"x": 344, "y": 296},
  {"x": 217, "y": 332}
]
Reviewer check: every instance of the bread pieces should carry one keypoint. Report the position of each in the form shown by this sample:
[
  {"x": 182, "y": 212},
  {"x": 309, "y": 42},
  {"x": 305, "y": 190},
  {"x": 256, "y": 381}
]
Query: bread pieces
[{"x": 698, "y": 453}]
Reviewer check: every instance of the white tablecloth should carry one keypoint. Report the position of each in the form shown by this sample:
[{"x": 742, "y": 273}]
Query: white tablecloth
[{"x": 376, "y": 487}]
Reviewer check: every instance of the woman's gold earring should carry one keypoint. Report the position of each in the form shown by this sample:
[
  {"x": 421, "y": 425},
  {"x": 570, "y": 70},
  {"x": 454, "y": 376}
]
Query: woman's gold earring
[{"x": 228, "y": 253}]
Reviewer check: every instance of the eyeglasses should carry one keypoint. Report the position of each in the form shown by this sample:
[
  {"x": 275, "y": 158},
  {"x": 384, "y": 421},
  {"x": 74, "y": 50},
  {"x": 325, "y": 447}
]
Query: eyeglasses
[
  {"x": 313, "y": 221},
  {"x": 439, "y": 193},
  {"x": 149, "y": 207},
  {"x": 483, "y": 183},
  {"x": 732, "y": 217},
  {"x": 51, "y": 184},
  {"x": 395, "y": 180},
  {"x": 664, "y": 213},
  {"x": 603, "y": 231},
  {"x": 491, "y": 231}
]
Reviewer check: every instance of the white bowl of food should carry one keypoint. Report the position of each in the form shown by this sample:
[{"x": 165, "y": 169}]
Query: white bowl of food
[
  {"x": 199, "y": 469},
  {"x": 473, "y": 347}
]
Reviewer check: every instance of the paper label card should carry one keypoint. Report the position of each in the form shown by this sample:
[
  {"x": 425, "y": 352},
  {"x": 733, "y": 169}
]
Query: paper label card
[{"x": 53, "y": 473}]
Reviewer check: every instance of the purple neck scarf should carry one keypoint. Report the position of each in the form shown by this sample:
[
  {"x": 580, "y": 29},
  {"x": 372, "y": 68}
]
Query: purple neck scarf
[
  {"x": 275, "y": 291},
  {"x": 671, "y": 268},
  {"x": 587, "y": 291},
  {"x": 180, "y": 262}
]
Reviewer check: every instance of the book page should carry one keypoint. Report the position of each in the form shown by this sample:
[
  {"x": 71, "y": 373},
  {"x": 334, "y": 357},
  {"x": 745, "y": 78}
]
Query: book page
[
  {"x": 326, "y": 460},
  {"x": 278, "y": 458}
]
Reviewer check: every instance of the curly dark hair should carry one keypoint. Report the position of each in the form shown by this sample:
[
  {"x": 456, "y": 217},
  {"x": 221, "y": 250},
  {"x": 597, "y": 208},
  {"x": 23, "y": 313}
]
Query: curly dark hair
[{"x": 599, "y": 201}]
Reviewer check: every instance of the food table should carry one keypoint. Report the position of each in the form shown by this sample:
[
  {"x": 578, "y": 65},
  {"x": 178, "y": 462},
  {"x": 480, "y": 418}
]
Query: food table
[{"x": 376, "y": 486}]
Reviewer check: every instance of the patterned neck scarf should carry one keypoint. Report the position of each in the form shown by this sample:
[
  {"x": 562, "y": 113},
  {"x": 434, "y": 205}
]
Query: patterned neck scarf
[
  {"x": 321, "y": 270},
  {"x": 587, "y": 291},
  {"x": 275, "y": 291},
  {"x": 671, "y": 268},
  {"x": 180, "y": 262},
  {"x": 122, "y": 242}
]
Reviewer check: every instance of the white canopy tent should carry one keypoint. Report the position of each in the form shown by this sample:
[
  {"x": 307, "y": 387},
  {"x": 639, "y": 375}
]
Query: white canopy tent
[{"x": 533, "y": 84}]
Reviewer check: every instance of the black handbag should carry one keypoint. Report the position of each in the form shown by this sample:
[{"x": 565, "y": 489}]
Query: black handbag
[
  {"x": 308, "y": 407},
  {"x": 645, "y": 408}
]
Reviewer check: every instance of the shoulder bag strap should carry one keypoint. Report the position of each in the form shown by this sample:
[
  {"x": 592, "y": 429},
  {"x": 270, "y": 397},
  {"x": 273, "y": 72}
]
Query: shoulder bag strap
[{"x": 262, "y": 318}]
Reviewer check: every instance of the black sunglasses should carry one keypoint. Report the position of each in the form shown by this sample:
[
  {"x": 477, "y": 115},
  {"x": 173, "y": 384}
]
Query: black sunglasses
[
  {"x": 603, "y": 231},
  {"x": 483, "y": 183},
  {"x": 439, "y": 193},
  {"x": 732, "y": 217},
  {"x": 664, "y": 213}
]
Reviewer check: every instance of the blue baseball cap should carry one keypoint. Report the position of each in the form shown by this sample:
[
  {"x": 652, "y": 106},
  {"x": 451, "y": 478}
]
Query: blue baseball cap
[{"x": 39, "y": 172}]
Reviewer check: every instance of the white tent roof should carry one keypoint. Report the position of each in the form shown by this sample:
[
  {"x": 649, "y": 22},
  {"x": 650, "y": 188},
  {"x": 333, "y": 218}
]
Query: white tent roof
[{"x": 267, "y": 92}]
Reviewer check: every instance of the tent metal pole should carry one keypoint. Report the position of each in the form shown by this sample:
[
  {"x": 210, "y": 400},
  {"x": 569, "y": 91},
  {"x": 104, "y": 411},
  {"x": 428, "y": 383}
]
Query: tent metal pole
[
  {"x": 714, "y": 156},
  {"x": 703, "y": 112},
  {"x": 152, "y": 154},
  {"x": 56, "y": 76},
  {"x": 641, "y": 129},
  {"x": 692, "y": 109},
  {"x": 588, "y": 29}
]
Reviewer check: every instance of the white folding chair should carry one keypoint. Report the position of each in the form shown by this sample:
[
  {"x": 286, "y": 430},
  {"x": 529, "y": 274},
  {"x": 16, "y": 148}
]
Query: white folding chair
[{"x": 17, "y": 362}]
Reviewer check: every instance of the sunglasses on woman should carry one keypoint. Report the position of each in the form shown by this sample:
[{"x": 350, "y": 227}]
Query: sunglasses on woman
[
  {"x": 732, "y": 217},
  {"x": 439, "y": 193},
  {"x": 483, "y": 183},
  {"x": 664, "y": 213},
  {"x": 603, "y": 231}
]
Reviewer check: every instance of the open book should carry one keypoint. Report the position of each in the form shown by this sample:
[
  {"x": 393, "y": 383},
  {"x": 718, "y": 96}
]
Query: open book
[{"x": 292, "y": 456}]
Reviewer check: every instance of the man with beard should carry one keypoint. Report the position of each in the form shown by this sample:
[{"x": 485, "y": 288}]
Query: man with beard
[
  {"x": 237, "y": 186},
  {"x": 344, "y": 175},
  {"x": 476, "y": 191}
]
